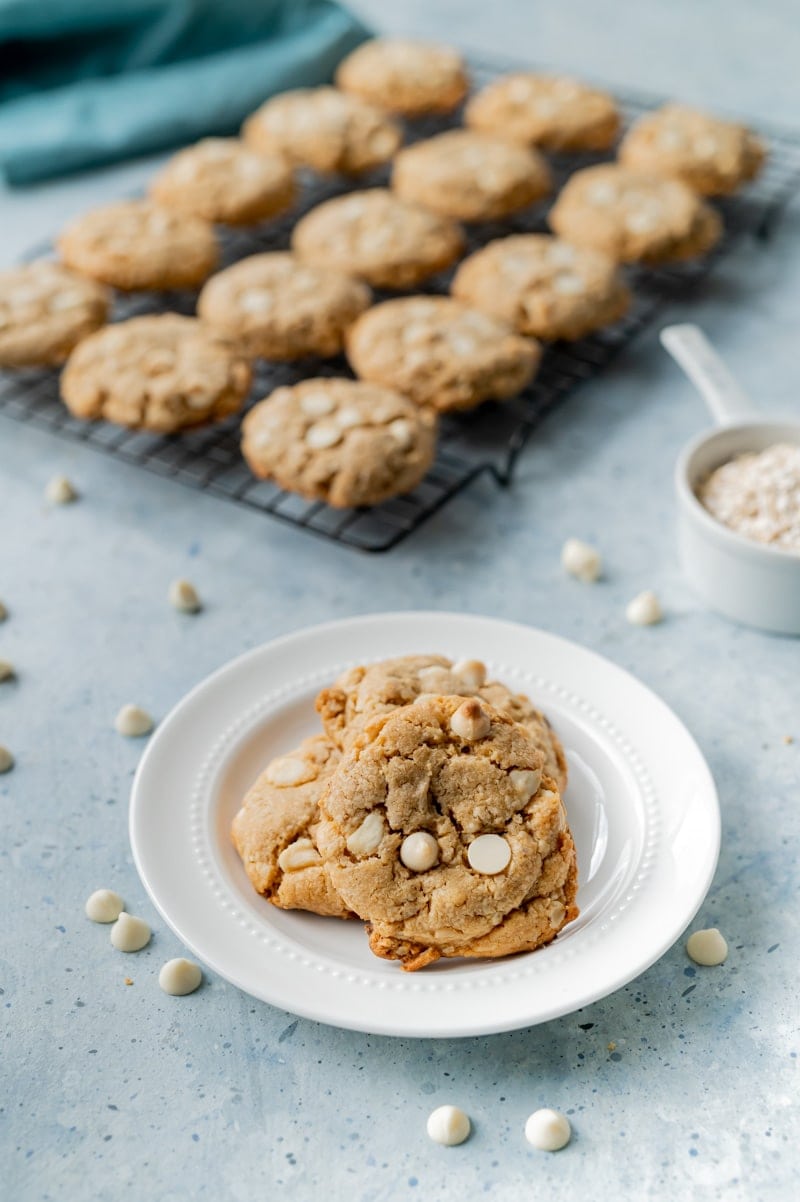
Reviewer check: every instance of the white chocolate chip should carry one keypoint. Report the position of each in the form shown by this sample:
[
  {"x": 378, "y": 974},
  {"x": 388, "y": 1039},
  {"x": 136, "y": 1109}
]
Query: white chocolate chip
[
  {"x": 525, "y": 781},
  {"x": 132, "y": 721},
  {"x": 706, "y": 146},
  {"x": 401, "y": 431},
  {"x": 287, "y": 771},
  {"x": 419, "y": 851},
  {"x": 471, "y": 671},
  {"x": 6, "y": 760},
  {"x": 7, "y": 671},
  {"x": 557, "y": 914},
  {"x": 568, "y": 284},
  {"x": 560, "y": 253},
  {"x": 489, "y": 854},
  {"x": 601, "y": 193},
  {"x": 61, "y": 491},
  {"x": 470, "y": 721},
  {"x": 545, "y": 106},
  {"x": 130, "y": 934},
  {"x": 448, "y": 1125},
  {"x": 179, "y": 977},
  {"x": 183, "y": 595},
  {"x": 366, "y": 839},
  {"x": 348, "y": 417},
  {"x": 581, "y": 560},
  {"x": 253, "y": 300},
  {"x": 461, "y": 344},
  {"x": 519, "y": 89},
  {"x": 159, "y": 223},
  {"x": 323, "y": 435},
  {"x": 642, "y": 221},
  {"x": 644, "y": 609},
  {"x": 671, "y": 138},
  {"x": 104, "y": 905},
  {"x": 708, "y": 947},
  {"x": 548, "y": 1130},
  {"x": 66, "y": 300},
  {"x": 298, "y": 855},
  {"x": 415, "y": 331}
]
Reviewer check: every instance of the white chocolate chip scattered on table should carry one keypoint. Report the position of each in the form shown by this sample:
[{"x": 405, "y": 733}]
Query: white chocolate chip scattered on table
[
  {"x": 179, "y": 977},
  {"x": 104, "y": 905},
  {"x": 7, "y": 671},
  {"x": 61, "y": 491},
  {"x": 129, "y": 933},
  {"x": 6, "y": 759},
  {"x": 581, "y": 560},
  {"x": 489, "y": 854},
  {"x": 183, "y": 595},
  {"x": 644, "y": 609},
  {"x": 548, "y": 1130},
  {"x": 708, "y": 947},
  {"x": 448, "y": 1125},
  {"x": 133, "y": 722}
]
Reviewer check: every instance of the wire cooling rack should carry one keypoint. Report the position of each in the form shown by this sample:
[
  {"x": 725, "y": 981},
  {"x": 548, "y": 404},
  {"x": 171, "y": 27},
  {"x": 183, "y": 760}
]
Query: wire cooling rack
[{"x": 486, "y": 442}]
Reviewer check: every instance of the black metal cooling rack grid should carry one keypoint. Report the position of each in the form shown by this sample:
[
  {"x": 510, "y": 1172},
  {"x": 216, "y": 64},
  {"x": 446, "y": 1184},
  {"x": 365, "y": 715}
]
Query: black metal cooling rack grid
[{"x": 486, "y": 442}]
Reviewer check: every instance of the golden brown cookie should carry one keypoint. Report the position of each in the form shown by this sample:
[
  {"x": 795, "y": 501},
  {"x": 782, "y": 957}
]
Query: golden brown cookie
[
  {"x": 275, "y": 831},
  {"x": 553, "y": 112},
  {"x": 135, "y": 244},
  {"x": 325, "y": 129},
  {"x": 440, "y": 830},
  {"x": 45, "y": 310},
  {"x": 714, "y": 157},
  {"x": 403, "y": 76},
  {"x": 371, "y": 691},
  {"x": 441, "y": 353},
  {"x": 375, "y": 235},
  {"x": 279, "y": 308},
  {"x": 543, "y": 287},
  {"x": 340, "y": 441},
  {"x": 162, "y": 373},
  {"x": 634, "y": 217},
  {"x": 470, "y": 176},
  {"x": 221, "y": 179}
]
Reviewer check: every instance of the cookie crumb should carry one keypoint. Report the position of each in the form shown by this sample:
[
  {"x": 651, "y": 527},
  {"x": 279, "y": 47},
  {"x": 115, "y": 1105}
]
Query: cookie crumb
[
  {"x": 130, "y": 934},
  {"x": 61, "y": 491},
  {"x": 548, "y": 1130},
  {"x": 6, "y": 759},
  {"x": 104, "y": 905},
  {"x": 581, "y": 560},
  {"x": 611, "y": 1047},
  {"x": 3, "y": 612},
  {"x": 7, "y": 671},
  {"x": 644, "y": 609},
  {"x": 183, "y": 595},
  {"x": 128, "y": 981},
  {"x": 179, "y": 977},
  {"x": 133, "y": 722},
  {"x": 786, "y": 738},
  {"x": 448, "y": 1125},
  {"x": 708, "y": 947}
]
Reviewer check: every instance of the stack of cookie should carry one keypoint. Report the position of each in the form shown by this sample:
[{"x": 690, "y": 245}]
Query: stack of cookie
[
  {"x": 358, "y": 443},
  {"x": 430, "y": 807}
]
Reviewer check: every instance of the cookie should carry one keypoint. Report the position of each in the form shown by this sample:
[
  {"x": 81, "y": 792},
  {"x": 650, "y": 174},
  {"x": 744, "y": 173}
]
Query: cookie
[
  {"x": 543, "y": 287},
  {"x": 325, "y": 129},
  {"x": 712, "y": 156},
  {"x": 470, "y": 176},
  {"x": 634, "y": 217},
  {"x": 367, "y": 692},
  {"x": 221, "y": 179},
  {"x": 407, "y": 77},
  {"x": 275, "y": 831},
  {"x": 136, "y": 244},
  {"x": 440, "y": 353},
  {"x": 279, "y": 308},
  {"x": 45, "y": 310},
  {"x": 553, "y": 112},
  {"x": 440, "y": 830},
  {"x": 161, "y": 372},
  {"x": 375, "y": 235},
  {"x": 339, "y": 441}
]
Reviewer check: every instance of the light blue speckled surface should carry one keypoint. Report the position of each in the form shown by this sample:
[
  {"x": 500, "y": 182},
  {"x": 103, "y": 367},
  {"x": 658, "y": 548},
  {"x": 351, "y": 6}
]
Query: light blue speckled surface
[{"x": 112, "y": 1091}]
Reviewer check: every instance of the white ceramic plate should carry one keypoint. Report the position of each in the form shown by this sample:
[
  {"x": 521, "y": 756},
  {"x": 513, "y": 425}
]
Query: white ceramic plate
[{"x": 641, "y": 803}]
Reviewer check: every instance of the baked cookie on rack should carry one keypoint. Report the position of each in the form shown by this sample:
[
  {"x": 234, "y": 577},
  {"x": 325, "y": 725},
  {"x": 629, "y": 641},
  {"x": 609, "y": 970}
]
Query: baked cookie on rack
[
  {"x": 325, "y": 129},
  {"x": 371, "y": 691},
  {"x": 714, "y": 157},
  {"x": 277, "y": 307},
  {"x": 379, "y": 237},
  {"x": 554, "y": 112},
  {"x": 470, "y": 176},
  {"x": 633, "y": 216},
  {"x": 275, "y": 830},
  {"x": 163, "y": 372},
  {"x": 403, "y": 76},
  {"x": 221, "y": 179},
  {"x": 45, "y": 311},
  {"x": 440, "y": 830},
  {"x": 135, "y": 244},
  {"x": 340, "y": 441},
  {"x": 543, "y": 287},
  {"x": 440, "y": 352}
]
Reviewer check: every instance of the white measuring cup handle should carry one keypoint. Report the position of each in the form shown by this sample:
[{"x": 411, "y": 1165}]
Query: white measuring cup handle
[{"x": 726, "y": 399}]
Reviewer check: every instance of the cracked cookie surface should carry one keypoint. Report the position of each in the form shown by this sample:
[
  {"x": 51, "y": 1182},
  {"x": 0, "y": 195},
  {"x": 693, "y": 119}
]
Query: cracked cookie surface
[{"x": 554, "y": 112}]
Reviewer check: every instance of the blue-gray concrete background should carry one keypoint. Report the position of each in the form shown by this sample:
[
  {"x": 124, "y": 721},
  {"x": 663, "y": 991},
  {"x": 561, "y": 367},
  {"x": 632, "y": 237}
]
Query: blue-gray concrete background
[{"x": 111, "y": 1091}]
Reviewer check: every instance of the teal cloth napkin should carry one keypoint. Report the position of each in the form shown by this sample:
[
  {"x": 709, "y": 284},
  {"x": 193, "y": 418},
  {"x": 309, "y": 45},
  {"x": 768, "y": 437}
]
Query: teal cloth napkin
[{"x": 85, "y": 82}]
